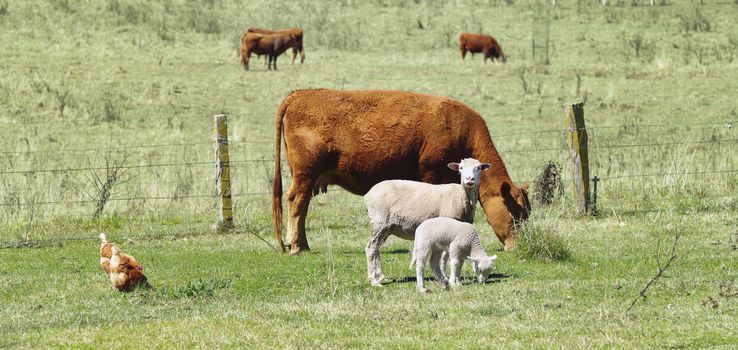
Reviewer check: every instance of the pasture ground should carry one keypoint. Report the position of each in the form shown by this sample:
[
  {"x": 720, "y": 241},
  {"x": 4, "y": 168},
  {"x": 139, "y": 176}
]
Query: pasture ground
[{"x": 85, "y": 81}]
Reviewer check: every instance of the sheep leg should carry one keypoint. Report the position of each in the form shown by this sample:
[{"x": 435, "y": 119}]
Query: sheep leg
[
  {"x": 373, "y": 259},
  {"x": 443, "y": 263},
  {"x": 475, "y": 267},
  {"x": 455, "y": 272},
  {"x": 419, "y": 269},
  {"x": 435, "y": 262}
]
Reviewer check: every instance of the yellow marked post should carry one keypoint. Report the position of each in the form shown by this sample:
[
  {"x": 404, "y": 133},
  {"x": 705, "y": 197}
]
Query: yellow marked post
[
  {"x": 222, "y": 172},
  {"x": 576, "y": 137}
]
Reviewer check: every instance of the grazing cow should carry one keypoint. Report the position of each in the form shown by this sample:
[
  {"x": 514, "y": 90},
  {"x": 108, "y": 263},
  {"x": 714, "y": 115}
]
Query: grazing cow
[
  {"x": 476, "y": 43},
  {"x": 296, "y": 32},
  {"x": 356, "y": 139},
  {"x": 271, "y": 45}
]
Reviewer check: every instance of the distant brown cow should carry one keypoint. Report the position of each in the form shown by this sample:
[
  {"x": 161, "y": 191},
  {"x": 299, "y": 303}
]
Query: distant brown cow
[
  {"x": 296, "y": 32},
  {"x": 476, "y": 43},
  {"x": 271, "y": 45},
  {"x": 356, "y": 139}
]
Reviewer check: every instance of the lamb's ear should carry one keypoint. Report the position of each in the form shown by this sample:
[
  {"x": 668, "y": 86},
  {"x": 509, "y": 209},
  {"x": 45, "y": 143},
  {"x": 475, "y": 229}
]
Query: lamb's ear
[
  {"x": 476, "y": 260},
  {"x": 453, "y": 166},
  {"x": 493, "y": 257},
  {"x": 485, "y": 166},
  {"x": 115, "y": 250}
]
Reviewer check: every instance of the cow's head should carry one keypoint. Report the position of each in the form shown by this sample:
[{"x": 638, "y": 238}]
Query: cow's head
[{"x": 507, "y": 211}]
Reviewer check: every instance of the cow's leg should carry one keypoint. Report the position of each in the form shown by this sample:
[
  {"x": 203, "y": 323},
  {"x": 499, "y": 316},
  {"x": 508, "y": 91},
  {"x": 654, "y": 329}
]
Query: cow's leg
[
  {"x": 302, "y": 55},
  {"x": 274, "y": 63},
  {"x": 245, "y": 60},
  {"x": 373, "y": 259},
  {"x": 266, "y": 59},
  {"x": 463, "y": 54},
  {"x": 298, "y": 201},
  {"x": 294, "y": 55}
]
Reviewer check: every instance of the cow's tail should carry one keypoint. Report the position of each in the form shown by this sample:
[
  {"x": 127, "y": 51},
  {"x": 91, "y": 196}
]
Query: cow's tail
[
  {"x": 243, "y": 52},
  {"x": 277, "y": 189}
]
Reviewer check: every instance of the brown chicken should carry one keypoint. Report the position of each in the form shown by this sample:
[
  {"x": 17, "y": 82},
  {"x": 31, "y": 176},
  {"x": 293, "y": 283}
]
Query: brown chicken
[{"x": 125, "y": 271}]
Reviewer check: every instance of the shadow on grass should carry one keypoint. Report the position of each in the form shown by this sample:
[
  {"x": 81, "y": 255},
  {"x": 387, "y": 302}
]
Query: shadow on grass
[{"x": 492, "y": 278}]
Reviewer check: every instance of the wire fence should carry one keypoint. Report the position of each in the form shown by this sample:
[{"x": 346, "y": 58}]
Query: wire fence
[{"x": 183, "y": 172}]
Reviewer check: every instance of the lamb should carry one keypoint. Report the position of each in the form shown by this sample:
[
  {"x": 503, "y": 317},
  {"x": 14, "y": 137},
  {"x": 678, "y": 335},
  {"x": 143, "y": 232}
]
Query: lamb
[
  {"x": 398, "y": 207},
  {"x": 459, "y": 240}
]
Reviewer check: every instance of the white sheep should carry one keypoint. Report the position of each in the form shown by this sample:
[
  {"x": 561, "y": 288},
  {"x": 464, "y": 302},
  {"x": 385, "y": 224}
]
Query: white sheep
[
  {"x": 398, "y": 207},
  {"x": 459, "y": 240}
]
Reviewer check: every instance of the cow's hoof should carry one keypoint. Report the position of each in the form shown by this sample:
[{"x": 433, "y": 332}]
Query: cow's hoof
[{"x": 298, "y": 250}]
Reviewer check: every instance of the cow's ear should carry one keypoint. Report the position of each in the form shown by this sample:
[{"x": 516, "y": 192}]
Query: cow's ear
[
  {"x": 453, "y": 166},
  {"x": 485, "y": 166}
]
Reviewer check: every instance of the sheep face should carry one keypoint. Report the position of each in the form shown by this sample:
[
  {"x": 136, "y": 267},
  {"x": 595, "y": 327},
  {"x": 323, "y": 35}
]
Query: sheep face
[
  {"x": 470, "y": 170},
  {"x": 484, "y": 266}
]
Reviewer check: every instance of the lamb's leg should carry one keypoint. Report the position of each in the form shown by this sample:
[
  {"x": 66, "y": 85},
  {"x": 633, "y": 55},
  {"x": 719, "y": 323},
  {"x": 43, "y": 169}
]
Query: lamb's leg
[
  {"x": 456, "y": 264},
  {"x": 444, "y": 262},
  {"x": 373, "y": 260},
  {"x": 420, "y": 258},
  {"x": 435, "y": 262}
]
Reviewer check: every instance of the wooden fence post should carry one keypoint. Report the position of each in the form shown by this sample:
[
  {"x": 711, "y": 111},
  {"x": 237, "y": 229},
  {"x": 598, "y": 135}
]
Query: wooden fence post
[
  {"x": 222, "y": 172},
  {"x": 576, "y": 137}
]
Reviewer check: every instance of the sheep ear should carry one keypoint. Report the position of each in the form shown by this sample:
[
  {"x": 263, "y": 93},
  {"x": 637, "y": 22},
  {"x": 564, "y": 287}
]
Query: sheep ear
[
  {"x": 453, "y": 166},
  {"x": 472, "y": 259},
  {"x": 115, "y": 250},
  {"x": 485, "y": 166},
  {"x": 493, "y": 257}
]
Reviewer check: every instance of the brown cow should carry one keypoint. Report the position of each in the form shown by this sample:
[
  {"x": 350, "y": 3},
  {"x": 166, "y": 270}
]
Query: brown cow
[
  {"x": 476, "y": 43},
  {"x": 271, "y": 45},
  {"x": 356, "y": 139},
  {"x": 296, "y": 32}
]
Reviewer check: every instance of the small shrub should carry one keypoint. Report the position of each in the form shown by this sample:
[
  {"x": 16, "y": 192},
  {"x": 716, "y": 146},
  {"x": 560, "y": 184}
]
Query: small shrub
[
  {"x": 695, "y": 23},
  {"x": 3, "y": 8},
  {"x": 539, "y": 242},
  {"x": 548, "y": 184},
  {"x": 201, "y": 288}
]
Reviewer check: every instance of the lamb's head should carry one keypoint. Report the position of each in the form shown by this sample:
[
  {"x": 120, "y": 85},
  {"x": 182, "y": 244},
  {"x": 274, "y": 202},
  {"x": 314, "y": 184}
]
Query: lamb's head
[
  {"x": 470, "y": 170},
  {"x": 484, "y": 266}
]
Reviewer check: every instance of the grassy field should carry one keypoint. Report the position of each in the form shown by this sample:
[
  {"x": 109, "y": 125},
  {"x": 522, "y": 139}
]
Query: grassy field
[{"x": 129, "y": 82}]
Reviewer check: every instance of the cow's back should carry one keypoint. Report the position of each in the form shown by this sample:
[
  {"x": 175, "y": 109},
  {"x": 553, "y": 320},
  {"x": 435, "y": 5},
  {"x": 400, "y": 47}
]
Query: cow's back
[
  {"x": 474, "y": 42},
  {"x": 374, "y": 135}
]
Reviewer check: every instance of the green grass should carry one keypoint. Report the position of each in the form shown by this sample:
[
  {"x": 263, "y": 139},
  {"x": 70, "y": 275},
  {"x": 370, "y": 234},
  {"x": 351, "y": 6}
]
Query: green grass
[{"x": 84, "y": 81}]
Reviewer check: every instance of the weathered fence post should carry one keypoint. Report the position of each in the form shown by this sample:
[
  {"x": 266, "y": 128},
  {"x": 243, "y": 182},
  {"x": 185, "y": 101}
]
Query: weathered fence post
[
  {"x": 222, "y": 172},
  {"x": 576, "y": 137}
]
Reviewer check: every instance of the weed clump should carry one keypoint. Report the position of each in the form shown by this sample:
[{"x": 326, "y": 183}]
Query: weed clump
[
  {"x": 539, "y": 242},
  {"x": 200, "y": 288},
  {"x": 548, "y": 184}
]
